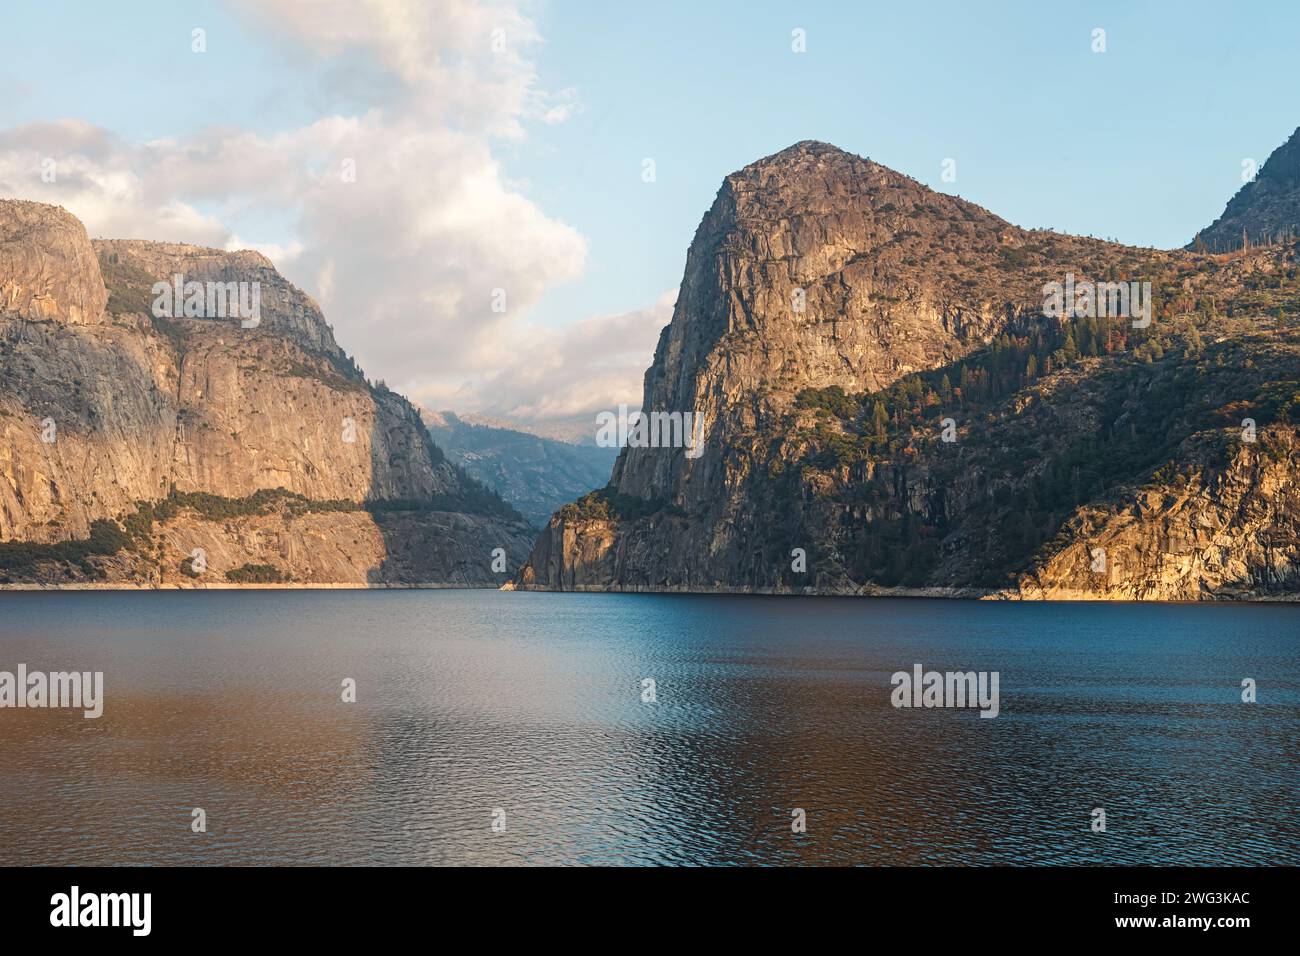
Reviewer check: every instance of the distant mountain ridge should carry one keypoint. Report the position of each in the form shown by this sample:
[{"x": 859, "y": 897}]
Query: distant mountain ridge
[
  {"x": 572, "y": 430},
  {"x": 534, "y": 474}
]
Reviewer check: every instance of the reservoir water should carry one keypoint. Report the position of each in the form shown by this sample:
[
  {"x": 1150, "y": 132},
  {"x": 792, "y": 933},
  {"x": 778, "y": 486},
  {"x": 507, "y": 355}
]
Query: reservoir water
[{"x": 520, "y": 728}]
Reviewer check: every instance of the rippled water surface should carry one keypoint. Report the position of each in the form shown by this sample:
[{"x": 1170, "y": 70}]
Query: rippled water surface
[{"x": 470, "y": 701}]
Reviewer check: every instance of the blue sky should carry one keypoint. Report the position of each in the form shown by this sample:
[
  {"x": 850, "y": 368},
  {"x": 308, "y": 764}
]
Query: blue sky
[{"x": 1143, "y": 143}]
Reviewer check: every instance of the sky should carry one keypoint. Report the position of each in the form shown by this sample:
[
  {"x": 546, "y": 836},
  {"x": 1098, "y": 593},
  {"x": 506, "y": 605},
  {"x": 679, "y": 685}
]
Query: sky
[{"x": 499, "y": 248}]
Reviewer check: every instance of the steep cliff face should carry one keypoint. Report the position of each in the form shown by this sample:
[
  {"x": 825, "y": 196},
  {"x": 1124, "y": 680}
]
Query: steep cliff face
[
  {"x": 105, "y": 405},
  {"x": 805, "y": 271},
  {"x": 47, "y": 269},
  {"x": 1265, "y": 210},
  {"x": 1230, "y": 528},
  {"x": 815, "y": 267},
  {"x": 918, "y": 422},
  {"x": 87, "y": 425}
]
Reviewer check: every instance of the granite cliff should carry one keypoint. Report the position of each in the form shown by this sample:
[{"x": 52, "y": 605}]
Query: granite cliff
[
  {"x": 890, "y": 408},
  {"x": 129, "y": 439}
]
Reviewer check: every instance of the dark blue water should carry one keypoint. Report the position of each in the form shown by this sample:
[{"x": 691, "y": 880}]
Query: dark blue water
[{"x": 474, "y": 702}]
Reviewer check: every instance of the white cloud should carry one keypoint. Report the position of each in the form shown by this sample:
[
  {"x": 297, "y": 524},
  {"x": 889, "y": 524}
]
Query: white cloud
[
  {"x": 405, "y": 259},
  {"x": 104, "y": 180},
  {"x": 465, "y": 62},
  {"x": 594, "y": 364}
]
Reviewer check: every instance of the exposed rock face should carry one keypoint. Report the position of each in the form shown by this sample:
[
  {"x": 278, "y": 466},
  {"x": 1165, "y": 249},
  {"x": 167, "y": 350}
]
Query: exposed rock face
[
  {"x": 253, "y": 411},
  {"x": 285, "y": 309},
  {"x": 921, "y": 425},
  {"x": 87, "y": 426},
  {"x": 104, "y": 407},
  {"x": 348, "y": 548},
  {"x": 47, "y": 268},
  {"x": 808, "y": 271},
  {"x": 1264, "y": 210},
  {"x": 1232, "y": 530}
]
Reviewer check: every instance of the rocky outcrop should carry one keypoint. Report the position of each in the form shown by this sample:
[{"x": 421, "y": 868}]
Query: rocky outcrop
[
  {"x": 47, "y": 268},
  {"x": 1230, "y": 530},
  {"x": 805, "y": 272},
  {"x": 814, "y": 268},
  {"x": 1265, "y": 210},
  {"x": 105, "y": 405},
  {"x": 337, "y": 548},
  {"x": 285, "y": 309},
  {"x": 887, "y": 409}
]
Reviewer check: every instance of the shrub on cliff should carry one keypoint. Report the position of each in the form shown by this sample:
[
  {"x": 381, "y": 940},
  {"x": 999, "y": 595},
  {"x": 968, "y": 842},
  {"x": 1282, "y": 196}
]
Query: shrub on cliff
[{"x": 256, "y": 574}]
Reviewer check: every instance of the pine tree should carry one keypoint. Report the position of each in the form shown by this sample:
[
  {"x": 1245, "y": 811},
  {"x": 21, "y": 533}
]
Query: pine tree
[{"x": 879, "y": 418}]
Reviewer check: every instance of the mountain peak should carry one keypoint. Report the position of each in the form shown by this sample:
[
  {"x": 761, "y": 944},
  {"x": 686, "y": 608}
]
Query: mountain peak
[
  {"x": 814, "y": 147},
  {"x": 47, "y": 267},
  {"x": 811, "y": 179},
  {"x": 1264, "y": 210},
  {"x": 807, "y": 154},
  {"x": 819, "y": 176},
  {"x": 1284, "y": 163}
]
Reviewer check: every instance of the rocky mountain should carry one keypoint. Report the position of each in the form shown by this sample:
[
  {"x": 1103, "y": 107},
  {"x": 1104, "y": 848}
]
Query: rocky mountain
[
  {"x": 890, "y": 405},
  {"x": 533, "y": 474},
  {"x": 138, "y": 447},
  {"x": 1265, "y": 210}
]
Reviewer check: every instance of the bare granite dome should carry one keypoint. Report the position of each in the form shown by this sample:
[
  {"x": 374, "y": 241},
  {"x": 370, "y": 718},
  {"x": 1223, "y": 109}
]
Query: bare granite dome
[{"x": 47, "y": 266}]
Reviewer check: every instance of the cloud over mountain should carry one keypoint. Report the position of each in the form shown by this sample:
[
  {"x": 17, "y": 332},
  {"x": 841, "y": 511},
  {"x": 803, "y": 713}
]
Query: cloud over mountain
[{"x": 399, "y": 218}]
